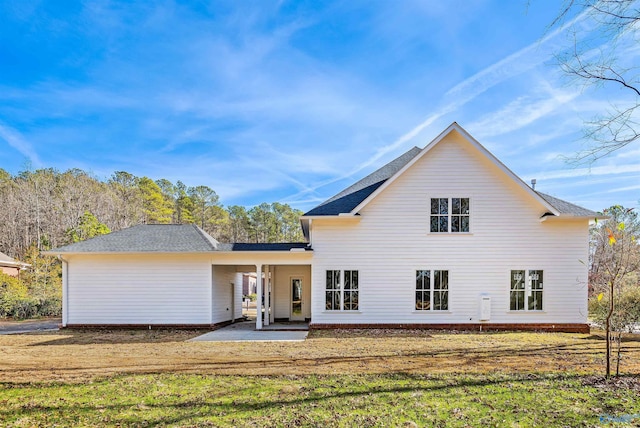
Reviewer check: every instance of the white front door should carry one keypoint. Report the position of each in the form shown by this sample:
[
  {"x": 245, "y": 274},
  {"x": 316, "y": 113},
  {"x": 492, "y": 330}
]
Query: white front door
[{"x": 296, "y": 299}]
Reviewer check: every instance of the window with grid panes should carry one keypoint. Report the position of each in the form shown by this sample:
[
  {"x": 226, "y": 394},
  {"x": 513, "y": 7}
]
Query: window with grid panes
[
  {"x": 526, "y": 290},
  {"x": 432, "y": 290},
  {"x": 342, "y": 292},
  {"x": 449, "y": 215}
]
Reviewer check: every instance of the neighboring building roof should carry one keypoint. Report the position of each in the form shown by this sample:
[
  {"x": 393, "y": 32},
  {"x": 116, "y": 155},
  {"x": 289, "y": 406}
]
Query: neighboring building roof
[
  {"x": 275, "y": 246},
  {"x": 5, "y": 258},
  {"x": 350, "y": 197},
  {"x": 11, "y": 262},
  {"x": 567, "y": 208},
  {"x": 147, "y": 238}
]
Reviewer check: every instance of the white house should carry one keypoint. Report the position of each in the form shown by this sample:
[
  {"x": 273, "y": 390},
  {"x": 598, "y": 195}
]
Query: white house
[{"x": 441, "y": 237}]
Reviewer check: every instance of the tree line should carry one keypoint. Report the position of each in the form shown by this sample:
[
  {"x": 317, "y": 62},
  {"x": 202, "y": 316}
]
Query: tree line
[{"x": 46, "y": 208}]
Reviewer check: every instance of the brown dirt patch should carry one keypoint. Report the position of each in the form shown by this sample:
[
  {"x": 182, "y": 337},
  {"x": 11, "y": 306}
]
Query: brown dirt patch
[{"x": 79, "y": 355}]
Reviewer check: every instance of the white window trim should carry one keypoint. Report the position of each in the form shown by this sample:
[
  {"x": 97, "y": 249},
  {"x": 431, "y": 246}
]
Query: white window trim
[
  {"x": 432, "y": 292},
  {"x": 528, "y": 292},
  {"x": 449, "y": 215},
  {"x": 342, "y": 291}
]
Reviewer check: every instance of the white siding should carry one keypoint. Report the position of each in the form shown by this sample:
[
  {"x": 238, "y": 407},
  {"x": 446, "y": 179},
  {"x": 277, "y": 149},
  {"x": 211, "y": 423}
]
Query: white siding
[
  {"x": 282, "y": 284},
  {"x": 239, "y": 295},
  {"x": 392, "y": 241},
  {"x": 223, "y": 278},
  {"x": 139, "y": 289}
]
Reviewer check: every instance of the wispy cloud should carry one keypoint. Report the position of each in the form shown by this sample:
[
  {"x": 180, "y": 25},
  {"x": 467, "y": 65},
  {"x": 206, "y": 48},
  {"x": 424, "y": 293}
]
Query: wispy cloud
[
  {"x": 521, "y": 112},
  {"x": 586, "y": 172},
  {"x": 624, "y": 189},
  {"x": 18, "y": 142},
  {"x": 466, "y": 91},
  {"x": 259, "y": 101}
]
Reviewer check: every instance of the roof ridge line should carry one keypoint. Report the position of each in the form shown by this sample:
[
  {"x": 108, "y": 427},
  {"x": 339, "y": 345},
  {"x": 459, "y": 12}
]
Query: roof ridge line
[{"x": 206, "y": 237}]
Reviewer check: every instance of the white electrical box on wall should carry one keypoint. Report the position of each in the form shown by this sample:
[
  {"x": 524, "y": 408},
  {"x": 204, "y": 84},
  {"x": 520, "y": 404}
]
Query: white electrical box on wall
[{"x": 485, "y": 308}]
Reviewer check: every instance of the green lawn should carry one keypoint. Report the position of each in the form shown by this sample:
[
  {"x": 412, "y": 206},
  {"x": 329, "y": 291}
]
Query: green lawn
[
  {"x": 360, "y": 400},
  {"x": 347, "y": 378}
]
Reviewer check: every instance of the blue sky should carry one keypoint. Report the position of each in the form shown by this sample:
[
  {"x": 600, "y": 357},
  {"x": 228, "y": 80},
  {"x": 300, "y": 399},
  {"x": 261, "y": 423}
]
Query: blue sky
[{"x": 292, "y": 101}]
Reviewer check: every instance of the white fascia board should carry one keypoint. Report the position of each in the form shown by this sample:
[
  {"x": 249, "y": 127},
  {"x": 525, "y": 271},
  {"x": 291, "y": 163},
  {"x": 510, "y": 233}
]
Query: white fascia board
[
  {"x": 455, "y": 127},
  {"x": 339, "y": 217},
  {"x": 9, "y": 263},
  {"x": 75, "y": 253},
  {"x": 569, "y": 217}
]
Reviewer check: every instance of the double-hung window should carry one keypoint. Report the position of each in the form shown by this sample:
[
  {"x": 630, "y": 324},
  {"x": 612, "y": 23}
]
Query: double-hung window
[
  {"x": 449, "y": 215},
  {"x": 432, "y": 290},
  {"x": 341, "y": 290},
  {"x": 526, "y": 290}
]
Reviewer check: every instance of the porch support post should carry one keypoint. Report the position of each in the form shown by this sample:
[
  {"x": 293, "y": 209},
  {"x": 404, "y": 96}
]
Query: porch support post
[
  {"x": 267, "y": 294},
  {"x": 273, "y": 294},
  {"x": 259, "y": 296}
]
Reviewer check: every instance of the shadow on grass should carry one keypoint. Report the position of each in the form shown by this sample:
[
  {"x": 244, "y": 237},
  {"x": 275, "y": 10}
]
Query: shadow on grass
[
  {"x": 499, "y": 358},
  {"x": 324, "y": 391},
  {"x": 261, "y": 397},
  {"x": 115, "y": 336},
  {"x": 626, "y": 337}
]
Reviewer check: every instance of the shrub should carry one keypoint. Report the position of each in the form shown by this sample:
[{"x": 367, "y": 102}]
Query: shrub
[
  {"x": 17, "y": 301},
  {"x": 12, "y": 291},
  {"x": 626, "y": 312},
  {"x": 24, "y": 309},
  {"x": 50, "y": 306}
]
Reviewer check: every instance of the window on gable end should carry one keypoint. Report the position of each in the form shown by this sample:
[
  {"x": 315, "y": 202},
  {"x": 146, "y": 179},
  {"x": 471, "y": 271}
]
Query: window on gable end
[{"x": 449, "y": 215}]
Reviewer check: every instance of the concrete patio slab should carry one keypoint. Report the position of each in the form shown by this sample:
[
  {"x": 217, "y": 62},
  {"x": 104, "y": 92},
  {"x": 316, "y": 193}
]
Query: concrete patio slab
[{"x": 246, "y": 332}]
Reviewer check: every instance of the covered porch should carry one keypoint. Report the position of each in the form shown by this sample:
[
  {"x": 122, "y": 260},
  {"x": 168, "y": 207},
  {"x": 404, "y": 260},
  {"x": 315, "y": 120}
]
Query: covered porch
[{"x": 283, "y": 282}]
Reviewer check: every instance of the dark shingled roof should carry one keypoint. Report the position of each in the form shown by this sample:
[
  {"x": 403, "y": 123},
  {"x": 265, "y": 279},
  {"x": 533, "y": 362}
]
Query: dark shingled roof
[
  {"x": 353, "y": 195},
  {"x": 567, "y": 208},
  {"x": 166, "y": 238},
  {"x": 147, "y": 238},
  {"x": 276, "y": 246}
]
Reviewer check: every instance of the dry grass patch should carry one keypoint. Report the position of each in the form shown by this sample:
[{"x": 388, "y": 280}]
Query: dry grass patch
[{"x": 77, "y": 355}]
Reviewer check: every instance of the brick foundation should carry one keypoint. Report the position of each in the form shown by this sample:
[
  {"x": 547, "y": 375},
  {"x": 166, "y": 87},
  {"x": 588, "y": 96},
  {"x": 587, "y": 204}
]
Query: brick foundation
[
  {"x": 561, "y": 328},
  {"x": 152, "y": 326}
]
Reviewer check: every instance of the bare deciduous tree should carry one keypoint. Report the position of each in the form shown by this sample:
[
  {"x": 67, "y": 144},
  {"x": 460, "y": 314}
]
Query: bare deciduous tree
[{"x": 604, "y": 53}]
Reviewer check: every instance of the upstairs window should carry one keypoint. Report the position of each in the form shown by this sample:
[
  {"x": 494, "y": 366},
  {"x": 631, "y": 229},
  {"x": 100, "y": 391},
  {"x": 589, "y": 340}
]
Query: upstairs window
[
  {"x": 526, "y": 290},
  {"x": 449, "y": 215},
  {"x": 341, "y": 290}
]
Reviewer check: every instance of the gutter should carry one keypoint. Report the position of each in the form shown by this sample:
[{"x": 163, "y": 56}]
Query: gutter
[{"x": 65, "y": 290}]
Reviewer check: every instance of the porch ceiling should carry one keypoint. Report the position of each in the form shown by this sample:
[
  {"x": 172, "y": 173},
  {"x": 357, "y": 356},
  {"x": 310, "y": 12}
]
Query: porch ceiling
[{"x": 262, "y": 257}]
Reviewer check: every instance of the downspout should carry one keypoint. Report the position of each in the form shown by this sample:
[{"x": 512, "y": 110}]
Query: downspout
[{"x": 65, "y": 290}]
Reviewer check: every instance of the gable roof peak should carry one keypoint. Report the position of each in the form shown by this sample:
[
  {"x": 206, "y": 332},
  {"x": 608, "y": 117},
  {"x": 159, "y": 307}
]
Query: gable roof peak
[
  {"x": 480, "y": 148},
  {"x": 346, "y": 200},
  {"x": 357, "y": 196}
]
